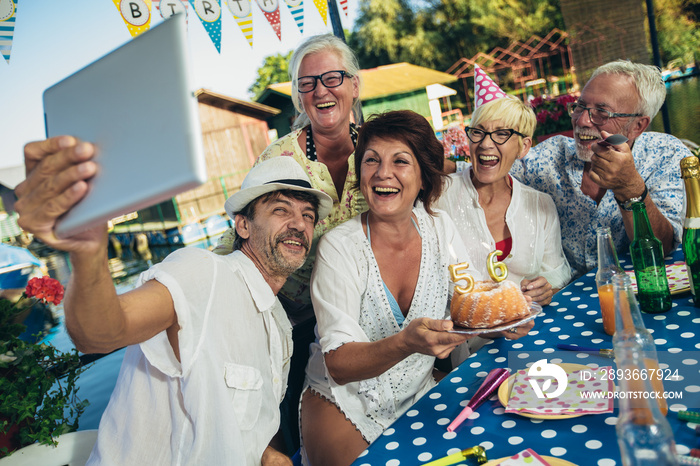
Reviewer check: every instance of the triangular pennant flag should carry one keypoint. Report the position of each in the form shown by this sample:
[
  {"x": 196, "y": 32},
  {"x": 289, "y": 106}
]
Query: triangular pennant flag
[
  {"x": 485, "y": 90},
  {"x": 209, "y": 13},
  {"x": 8, "y": 13},
  {"x": 243, "y": 13},
  {"x": 344, "y": 4},
  {"x": 136, "y": 14},
  {"x": 171, "y": 7},
  {"x": 322, "y": 6},
  {"x": 296, "y": 8},
  {"x": 271, "y": 10}
]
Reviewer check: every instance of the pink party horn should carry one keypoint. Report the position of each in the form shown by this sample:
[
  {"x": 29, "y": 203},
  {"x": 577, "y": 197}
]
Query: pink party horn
[{"x": 488, "y": 386}]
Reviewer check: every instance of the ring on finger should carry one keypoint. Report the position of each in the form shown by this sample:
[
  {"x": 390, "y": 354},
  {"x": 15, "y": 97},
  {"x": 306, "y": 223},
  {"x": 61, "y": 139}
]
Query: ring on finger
[{"x": 513, "y": 330}]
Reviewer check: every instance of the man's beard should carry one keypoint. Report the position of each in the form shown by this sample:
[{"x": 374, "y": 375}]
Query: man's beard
[
  {"x": 278, "y": 262},
  {"x": 584, "y": 153}
]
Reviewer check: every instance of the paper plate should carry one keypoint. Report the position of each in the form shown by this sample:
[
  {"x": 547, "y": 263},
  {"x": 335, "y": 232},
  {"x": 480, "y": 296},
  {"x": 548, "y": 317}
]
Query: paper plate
[
  {"x": 553, "y": 461},
  {"x": 507, "y": 386},
  {"x": 678, "y": 281},
  {"x": 535, "y": 310}
]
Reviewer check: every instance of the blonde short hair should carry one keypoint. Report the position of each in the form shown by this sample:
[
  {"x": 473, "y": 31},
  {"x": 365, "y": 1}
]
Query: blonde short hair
[{"x": 513, "y": 112}]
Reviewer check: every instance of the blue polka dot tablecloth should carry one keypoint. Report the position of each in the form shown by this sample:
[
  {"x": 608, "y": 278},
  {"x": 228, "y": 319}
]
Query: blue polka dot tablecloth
[{"x": 573, "y": 317}]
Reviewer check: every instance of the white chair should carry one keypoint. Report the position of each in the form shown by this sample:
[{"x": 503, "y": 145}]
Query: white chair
[{"x": 73, "y": 449}]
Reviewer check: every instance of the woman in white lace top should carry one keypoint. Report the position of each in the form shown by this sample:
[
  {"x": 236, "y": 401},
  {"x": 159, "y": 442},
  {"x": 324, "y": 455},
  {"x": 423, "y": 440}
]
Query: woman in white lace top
[{"x": 381, "y": 291}]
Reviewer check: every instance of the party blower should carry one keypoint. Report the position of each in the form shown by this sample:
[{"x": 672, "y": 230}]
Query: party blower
[{"x": 488, "y": 386}]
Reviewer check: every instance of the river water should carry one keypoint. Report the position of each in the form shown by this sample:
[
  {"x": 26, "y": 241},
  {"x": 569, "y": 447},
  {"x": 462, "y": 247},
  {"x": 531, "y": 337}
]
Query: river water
[{"x": 683, "y": 103}]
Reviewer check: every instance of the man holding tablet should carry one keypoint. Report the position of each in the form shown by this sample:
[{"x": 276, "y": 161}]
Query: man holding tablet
[{"x": 210, "y": 343}]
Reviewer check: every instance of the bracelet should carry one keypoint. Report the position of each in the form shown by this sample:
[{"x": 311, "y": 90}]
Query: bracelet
[{"x": 627, "y": 205}]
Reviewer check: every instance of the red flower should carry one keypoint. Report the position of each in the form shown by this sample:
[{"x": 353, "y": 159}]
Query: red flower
[
  {"x": 46, "y": 288},
  {"x": 565, "y": 99},
  {"x": 537, "y": 101},
  {"x": 542, "y": 116}
]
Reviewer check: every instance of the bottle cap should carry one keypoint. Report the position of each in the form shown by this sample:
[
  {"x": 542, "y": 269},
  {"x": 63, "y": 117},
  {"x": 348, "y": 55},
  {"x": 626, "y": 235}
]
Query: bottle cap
[{"x": 690, "y": 167}]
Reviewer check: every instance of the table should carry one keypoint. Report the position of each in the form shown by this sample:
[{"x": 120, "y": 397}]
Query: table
[{"x": 573, "y": 317}]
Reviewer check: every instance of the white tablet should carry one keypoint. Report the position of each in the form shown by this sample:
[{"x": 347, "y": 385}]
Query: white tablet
[{"x": 137, "y": 105}]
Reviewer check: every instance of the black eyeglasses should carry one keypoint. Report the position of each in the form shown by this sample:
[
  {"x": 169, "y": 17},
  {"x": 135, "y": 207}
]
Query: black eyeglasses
[
  {"x": 329, "y": 79},
  {"x": 500, "y": 136},
  {"x": 598, "y": 116}
]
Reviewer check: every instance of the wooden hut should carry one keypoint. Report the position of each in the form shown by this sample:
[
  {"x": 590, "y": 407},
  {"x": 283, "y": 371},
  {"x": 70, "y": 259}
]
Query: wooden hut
[{"x": 234, "y": 133}]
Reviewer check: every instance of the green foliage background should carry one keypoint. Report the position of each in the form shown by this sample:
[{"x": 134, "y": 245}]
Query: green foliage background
[{"x": 437, "y": 33}]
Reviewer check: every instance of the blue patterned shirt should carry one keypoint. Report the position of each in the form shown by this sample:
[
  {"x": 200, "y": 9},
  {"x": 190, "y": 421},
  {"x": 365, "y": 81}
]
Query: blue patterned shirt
[{"x": 553, "y": 167}]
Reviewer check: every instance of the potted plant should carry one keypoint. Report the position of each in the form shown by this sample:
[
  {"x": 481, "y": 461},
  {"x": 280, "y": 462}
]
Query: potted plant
[
  {"x": 38, "y": 389},
  {"x": 552, "y": 116}
]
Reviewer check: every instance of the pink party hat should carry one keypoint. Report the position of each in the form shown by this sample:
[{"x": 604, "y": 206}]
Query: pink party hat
[{"x": 485, "y": 90}]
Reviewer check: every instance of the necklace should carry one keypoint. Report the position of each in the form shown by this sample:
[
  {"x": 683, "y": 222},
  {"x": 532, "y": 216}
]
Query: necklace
[{"x": 311, "y": 147}]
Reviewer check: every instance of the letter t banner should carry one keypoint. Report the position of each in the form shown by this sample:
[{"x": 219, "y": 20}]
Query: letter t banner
[
  {"x": 167, "y": 8},
  {"x": 136, "y": 14}
]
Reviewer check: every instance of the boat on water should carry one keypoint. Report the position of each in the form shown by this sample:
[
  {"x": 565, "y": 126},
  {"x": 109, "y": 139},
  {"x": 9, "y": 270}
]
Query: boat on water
[
  {"x": 16, "y": 267},
  {"x": 680, "y": 72}
]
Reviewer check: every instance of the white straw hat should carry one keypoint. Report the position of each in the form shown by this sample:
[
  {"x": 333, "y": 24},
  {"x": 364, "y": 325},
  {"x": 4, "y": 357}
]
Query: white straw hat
[{"x": 276, "y": 174}]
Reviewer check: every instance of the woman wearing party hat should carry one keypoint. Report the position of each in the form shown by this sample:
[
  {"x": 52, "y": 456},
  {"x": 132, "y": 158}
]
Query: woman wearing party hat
[{"x": 496, "y": 212}]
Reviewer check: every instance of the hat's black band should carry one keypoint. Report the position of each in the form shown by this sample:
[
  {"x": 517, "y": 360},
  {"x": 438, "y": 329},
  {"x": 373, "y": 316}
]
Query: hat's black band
[{"x": 300, "y": 183}]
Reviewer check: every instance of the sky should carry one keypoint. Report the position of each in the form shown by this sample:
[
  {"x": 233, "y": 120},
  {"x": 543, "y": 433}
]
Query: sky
[{"x": 53, "y": 39}]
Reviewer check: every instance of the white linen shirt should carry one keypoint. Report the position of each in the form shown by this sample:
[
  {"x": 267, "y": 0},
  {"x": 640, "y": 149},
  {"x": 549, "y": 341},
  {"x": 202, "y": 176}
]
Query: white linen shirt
[
  {"x": 553, "y": 167},
  {"x": 532, "y": 220},
  {"x": 351, "y": 306},
  {"x": 220, "y": 404}
]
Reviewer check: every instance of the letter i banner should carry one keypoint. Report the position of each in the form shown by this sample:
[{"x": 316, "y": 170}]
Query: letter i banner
[
  {"x": 271, "y": 10},
  {"x": 8, "y": 12},
  {"x": 296, "y": 8},
  {"x": 243, "y": 14},
  {"x": 167, "y": 8},
  {"x": 209, "y": 12},
  {"x": 136, "y": 14},
  {"x": 322, "y": 6}
]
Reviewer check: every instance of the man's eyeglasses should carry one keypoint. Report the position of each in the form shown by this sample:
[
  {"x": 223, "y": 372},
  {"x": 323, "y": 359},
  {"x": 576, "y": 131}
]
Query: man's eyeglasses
[
  {"x": 329, "y": 79},
  {"x": 500, "y": 136},
  {"x": 598, "y": 116}
]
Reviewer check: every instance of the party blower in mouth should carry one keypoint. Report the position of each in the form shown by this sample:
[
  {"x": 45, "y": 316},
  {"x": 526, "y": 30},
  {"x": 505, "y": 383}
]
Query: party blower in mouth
[{"x": 613, "y": 140}]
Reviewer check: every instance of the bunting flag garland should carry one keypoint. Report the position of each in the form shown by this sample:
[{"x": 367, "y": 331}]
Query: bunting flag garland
[
  {"x": 322, "y": 6},
  {"x": 296, "y": 8},
  {"x": 136, "y": 14},
  {"x": 344, "y": 4},
  {"x": 243, "y": 14},
  {"x": 8, "y": 13},
  {"x": 209, "y": 12},
  {"x": 271, "y": 10},
  {"x": 171, "y": 7}
]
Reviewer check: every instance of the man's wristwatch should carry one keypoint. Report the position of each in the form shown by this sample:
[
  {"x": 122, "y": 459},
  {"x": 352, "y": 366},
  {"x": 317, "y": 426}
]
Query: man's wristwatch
[{"x": 627, "y": 205}]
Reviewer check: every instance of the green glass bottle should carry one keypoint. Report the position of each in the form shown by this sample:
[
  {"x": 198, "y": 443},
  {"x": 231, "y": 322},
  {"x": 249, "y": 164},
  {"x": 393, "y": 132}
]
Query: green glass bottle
[
  {"x": 648, "y": 261},
  {"x": 690, "y": 171}
]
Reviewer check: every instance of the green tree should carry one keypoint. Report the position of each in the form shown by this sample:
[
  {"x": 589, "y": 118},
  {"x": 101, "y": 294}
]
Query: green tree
[
  {"x": 516, "y": 19},
  {"x": 275, "y": 69},
  {"x": 437, "y": 33},
  {"x": 678, "y": 33},
  {"x": 379, "y": 29}
]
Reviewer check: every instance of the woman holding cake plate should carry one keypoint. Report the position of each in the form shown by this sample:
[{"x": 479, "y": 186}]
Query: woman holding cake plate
[
  {"x": 381, "y": 292},
  {"x": 493, "y": 211}
]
